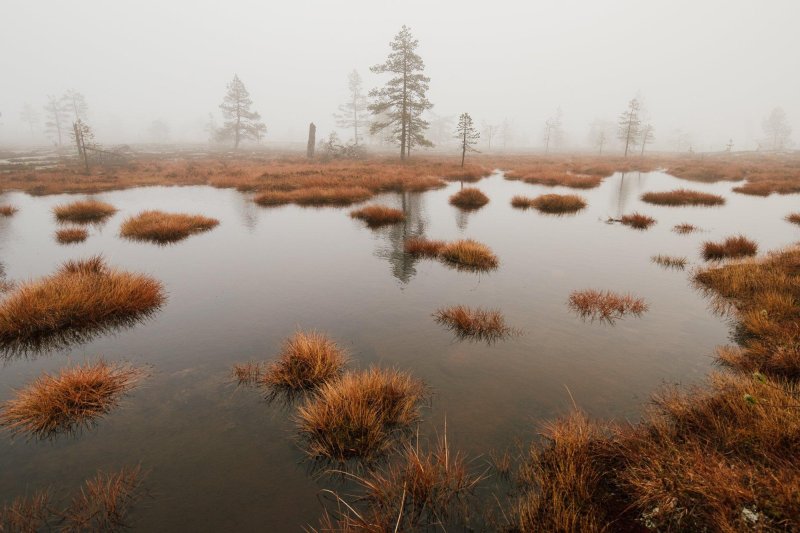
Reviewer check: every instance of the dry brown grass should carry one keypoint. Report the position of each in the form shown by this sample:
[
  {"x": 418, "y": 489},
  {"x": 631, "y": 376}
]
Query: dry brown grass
[
  {"x": 468, "y": 254},
  {"x": 469, "y": 198},
  {"x": 521, "y": 202},
  {"x": 163, "y": 228},
  {"x": 680, "y": 197},
  {"x": 480, "y": 324},
  {"x": 637, "y": 221},
  {"x": 670, "y": 261},
  {"x": 558, "y": 203},
  {"x": 84, "y": 211},
  {"x": 794, "y": 218},
  {"x": 685, "y": 228},
  {"x": 732, "y": 247},
  {"x": 360, "y": 415},
  {"x": 765, "y": 174},
  {"x": 249, "y": 373},
  {"x": 28, "y": 514},
  {"x": 418, "y": 490},
  {"x": 422, "y": 247},
  {"x": 378, "y": 215},
  {"x": 606, "y": 306},
  {"x": 316, "y": 196},
  {"x": 7, "y": 210},
  {"x": 306, "y": 361},
  {"x": 81, "y": 299},
  {"x": 74, "y": 398},
  {"x": 104, "y": 501},
  {"x": 553, "y": 178},
  {"x": 71, "y": 235}
]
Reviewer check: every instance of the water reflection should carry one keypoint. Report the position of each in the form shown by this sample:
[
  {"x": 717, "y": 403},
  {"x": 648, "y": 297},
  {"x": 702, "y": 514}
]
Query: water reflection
[{"x": 413, "y": 206}]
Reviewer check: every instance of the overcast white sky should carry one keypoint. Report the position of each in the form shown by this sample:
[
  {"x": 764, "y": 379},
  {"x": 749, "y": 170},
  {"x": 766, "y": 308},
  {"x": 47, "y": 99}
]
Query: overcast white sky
[{"x": 712, "y": 68}]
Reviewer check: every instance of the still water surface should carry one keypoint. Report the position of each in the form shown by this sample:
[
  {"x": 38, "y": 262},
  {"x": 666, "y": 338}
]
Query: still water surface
[{"x": 221, "y": 459}]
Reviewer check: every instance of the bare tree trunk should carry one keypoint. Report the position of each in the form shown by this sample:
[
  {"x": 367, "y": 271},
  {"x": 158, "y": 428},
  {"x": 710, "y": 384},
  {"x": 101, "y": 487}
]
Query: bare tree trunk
[
  {"x": 312, "y": 136},
  {"x": 463, "y": 148}
]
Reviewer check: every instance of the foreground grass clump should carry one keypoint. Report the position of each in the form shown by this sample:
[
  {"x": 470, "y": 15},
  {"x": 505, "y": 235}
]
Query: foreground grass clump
[
  {"x": 75, "y": 397},
  {"x": 682, "y": 197},
  {"x": 378, "y": 215},
  {"x": 732, "y": 247},
  {"x": 684, "y": 228},
  {"x": 422, "y": 247},
  {"x": 162, "y": 228},
  {"x": 763, "y": 295},
  {"x": 637, "y": 221},
  {"x": 7, "y": 210},
  {"x": 605, "y": 305},
  {"x": 479, "y": 324},
  {"x": 419, "y": 490},
  {"x": 306, "y": 361},
  {"x": 469, "y": 198},
  {"x": 794, "y": 218},
  {"x": 71, "y": 235},
  {"x": 669, "y": 261},
  {"x": 558, "y": 203},
  {"x": 84, "y": 211},
  {"x": 360, "y": 415},
  {"x": 79, "y": 300},
  {"x": 470, "y": 255}
]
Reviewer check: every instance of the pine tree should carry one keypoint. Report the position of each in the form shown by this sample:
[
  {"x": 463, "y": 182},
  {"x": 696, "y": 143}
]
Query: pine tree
[
  {"x": 553, "y": 132},
  {"x": 400, "y": 103},
  {"x": 467, "y": 135},
  {"x": 629, "y": 125},
  {"x": 647, "y": 136},
  {"x": 777, "y": 130},
  {"x": 240, "y": 122},
  {"x": 56, "y": 118},
  {"x": 75, "y": 103},
  {"x": 351, "y": 113}
]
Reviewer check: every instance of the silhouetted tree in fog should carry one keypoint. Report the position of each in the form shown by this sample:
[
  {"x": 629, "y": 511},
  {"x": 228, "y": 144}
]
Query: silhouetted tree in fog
[
  {"x": 56, "y": 118},
  {"x": 553, "y": 133},
  {"x": 777, "y": 130},
  {"x": 441, "y": 128},
  {"x": 75, "y": 103},
  {"x": 646, "y": 136},
  {"x": 466, "y": 134},
  {"x": 351, "y": 113},
  {"x": 600, "y": 134},
  {"x": 629, "y": 125},
  {"x": 489, "y": 132},
  {"x": 29, "y": 116},
  {"x": 240, "y": 122},
  {"x": 400, "y": 103},
  {"x": 83, "y": 137}
]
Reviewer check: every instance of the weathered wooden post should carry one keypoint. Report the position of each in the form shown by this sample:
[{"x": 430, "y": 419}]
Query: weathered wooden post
[{"x": 312, "y": 135}]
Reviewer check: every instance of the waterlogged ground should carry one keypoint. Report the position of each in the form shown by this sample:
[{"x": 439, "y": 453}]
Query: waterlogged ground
[{"x": 221, "y": 459}]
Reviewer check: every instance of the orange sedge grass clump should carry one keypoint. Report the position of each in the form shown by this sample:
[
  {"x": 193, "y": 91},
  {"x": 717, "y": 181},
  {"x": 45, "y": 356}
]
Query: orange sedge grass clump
[
  {"x": 84, "y": 211},
  {"x": 558, "y": 203},
  {"x": 794, "y": 218},
  {"x": 553, "y": 178},
  {"x": 605, "y": 305},
  {"x": 420, "y": 246},
  {"x": 469, "y": 198},
  {"x": 670, "y": 261},
  {"x": 521, "y": 202},
  {"x": 637, "y": 221},
  {"x": 306, "y": 361},
  {"x": 104, "y": 501},
  {"x": 7, "y": 210},
  {"x": 418, "y": 490},
  {"x": 732, "y": 247},
  {"x": 75, "y": 397},
  {"x": 684, "y": 228},
  {"x": 163, "y": 228},
  {"x": 249, "y": 373},
  {"x": 480, "y": 324},
  {"x": 680, "y": 197},
  {"x": 360, "y": 415},
  {"x": 28, "y": 514},
  {"x": 81, "y": 299},
  {"x": 378, "y": 215},
  {"x": 469, "y": 255},
  {"x": 316, "y": 196},
  {"x": 71, "y": 235}
]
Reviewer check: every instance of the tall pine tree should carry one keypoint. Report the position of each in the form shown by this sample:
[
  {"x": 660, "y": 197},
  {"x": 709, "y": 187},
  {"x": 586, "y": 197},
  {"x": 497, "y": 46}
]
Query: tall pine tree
[
  {"x": 240, "y": 122},
  {"x": 467, "y": 135},
  {"x": 399, "y": 104},
  {"x": 629, "y": 125}
]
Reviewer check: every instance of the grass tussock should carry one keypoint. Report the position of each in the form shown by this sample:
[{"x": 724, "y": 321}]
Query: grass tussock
[
  {"x": 470, "y": 255},
  {"x": 81, "y": 299},
  {"x": 163, "y": 228},
  {"x": 105, "y": 501},
  {"x": 378, "y": 215},
  {"x": 360, "y": 415},
  {"x": 681, "y": 197},
  {"x": 71, "y": 235},
  {"x": 685, "y": 228},
  {"x": 84, "y": 211},
  {"x": 418, "y": 490},
  {"x": 670, "y": 261},
  {"x": 28, "y": 514},
  {"x": 521, "y": 202},
  {"x": 732, "y": 247},
  {"x": 469, "y": 198},
  {"x": 558, "y": 203},
  {"x": 422, "y": 247},
  {"x": 605, "y": 306},
  {"x": 7, "y": 210},
  {"x": 637, "y": 221},
  {"x": 794, "y": 218},
  {"x": 306, "y": 361},
  {"x": 316, "y": 196},
  {"x": 75, "y": 397},
  {"x": 479, "y": 324},
  {"x": 554, "y": 178}
]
